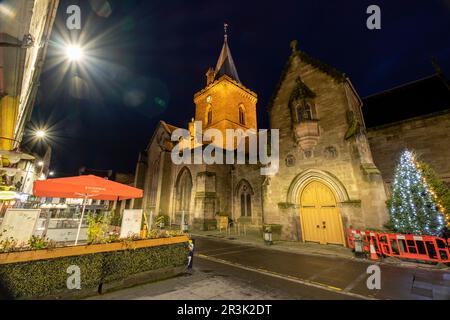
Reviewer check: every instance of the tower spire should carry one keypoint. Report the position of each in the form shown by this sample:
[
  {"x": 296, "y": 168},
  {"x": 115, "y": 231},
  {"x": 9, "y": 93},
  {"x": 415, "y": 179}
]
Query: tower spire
[
  {"x": 225, "y": 29},
  {"x": 225, "y": 64}
]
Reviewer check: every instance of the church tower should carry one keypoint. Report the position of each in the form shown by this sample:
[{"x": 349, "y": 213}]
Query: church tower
[{"x": 225, "y": 103}]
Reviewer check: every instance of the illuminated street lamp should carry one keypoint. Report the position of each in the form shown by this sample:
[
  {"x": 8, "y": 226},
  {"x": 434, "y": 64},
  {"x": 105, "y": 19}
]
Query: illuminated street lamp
[
  {"x": 40, "y": 134},
  {"x": 51, "y": 173},
  {"x": 74, "y": 52},
  {"x": 40, "y": 163}
]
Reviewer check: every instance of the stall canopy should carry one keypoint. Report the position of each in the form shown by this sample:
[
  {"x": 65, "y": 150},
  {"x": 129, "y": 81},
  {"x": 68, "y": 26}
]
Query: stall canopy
[
  {"x": 85, "y": 187},
  {"x": 92, "y": 187}
]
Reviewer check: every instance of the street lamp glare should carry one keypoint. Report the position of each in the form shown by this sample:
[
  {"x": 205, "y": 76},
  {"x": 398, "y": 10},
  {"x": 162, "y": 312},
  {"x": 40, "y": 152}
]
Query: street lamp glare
[
  {"x": 41, "y": 163},
  {"x": 74, "y": 53},
  {"x": 40, "y": 134},
  {"x": 51, "y": 173}
]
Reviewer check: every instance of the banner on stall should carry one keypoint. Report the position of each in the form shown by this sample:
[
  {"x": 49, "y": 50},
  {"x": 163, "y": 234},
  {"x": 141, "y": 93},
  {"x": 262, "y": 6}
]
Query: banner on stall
[{"x": 131, "y": 223}]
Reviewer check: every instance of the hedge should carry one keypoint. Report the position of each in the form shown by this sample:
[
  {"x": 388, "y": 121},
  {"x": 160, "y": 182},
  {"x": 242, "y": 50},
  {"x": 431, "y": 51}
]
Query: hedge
[{"x": 43, "y": 278}]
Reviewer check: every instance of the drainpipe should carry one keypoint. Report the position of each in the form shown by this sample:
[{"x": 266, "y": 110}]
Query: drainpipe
[{"x": 262, "y": 200}]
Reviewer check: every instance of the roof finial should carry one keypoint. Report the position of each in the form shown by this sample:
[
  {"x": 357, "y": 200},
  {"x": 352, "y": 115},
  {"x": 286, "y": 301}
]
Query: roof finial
[
  {"x": 225, "y": 29},
  {"x": 294, "y": 44}
]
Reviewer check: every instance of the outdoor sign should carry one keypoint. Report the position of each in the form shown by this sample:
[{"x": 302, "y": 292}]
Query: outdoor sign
[
  {"x": 19, "y": 224},
  {"x": 131, "y": 223}
]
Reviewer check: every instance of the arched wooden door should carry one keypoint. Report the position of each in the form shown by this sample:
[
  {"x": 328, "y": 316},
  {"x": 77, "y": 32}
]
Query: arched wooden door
[{"x": 320, "y": 217}]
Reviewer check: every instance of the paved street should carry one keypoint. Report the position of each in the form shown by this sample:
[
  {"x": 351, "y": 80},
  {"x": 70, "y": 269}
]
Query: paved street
[{"x": 225, "y": 270}]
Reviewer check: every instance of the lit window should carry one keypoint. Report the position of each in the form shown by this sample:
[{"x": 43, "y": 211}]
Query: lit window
[
  {"x": 241, "y": 115},
  {"x": 209, "y": 115}
]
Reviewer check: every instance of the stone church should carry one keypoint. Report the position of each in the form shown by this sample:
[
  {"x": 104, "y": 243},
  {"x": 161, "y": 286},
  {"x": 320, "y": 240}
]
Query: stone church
[{"x": 328, "y": 178}]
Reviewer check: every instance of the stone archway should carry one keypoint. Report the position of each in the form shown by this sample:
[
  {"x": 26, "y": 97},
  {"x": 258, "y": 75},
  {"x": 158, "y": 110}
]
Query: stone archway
[
  {"x": 316, "y": 195},
  {"x": 307, "y": 176}
]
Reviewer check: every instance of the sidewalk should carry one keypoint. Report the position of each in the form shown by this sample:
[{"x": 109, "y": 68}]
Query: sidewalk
[
  {"x": 200, "y": 285},
  {"x": 309, "y": 249}
]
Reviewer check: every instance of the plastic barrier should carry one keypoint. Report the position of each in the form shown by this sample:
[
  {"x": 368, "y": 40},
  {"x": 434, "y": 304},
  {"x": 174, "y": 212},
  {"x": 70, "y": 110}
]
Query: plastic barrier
[
  {"x": 365, "y": 235},
  {"x": 424, "y": 248}
]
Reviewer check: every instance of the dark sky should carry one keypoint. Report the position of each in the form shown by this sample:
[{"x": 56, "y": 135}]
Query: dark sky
[{"x": 146, "y": 59}]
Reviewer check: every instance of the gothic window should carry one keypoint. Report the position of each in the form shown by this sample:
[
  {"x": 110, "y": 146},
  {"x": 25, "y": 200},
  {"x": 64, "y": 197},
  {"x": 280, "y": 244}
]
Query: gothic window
[
  {"x": 245, "y": 196},
  {"x": 183, "y": 191},
  {"x": 304, "y": 112},
  {"x": 154, "y": 183},
  {"x": 241, "y": 115},
  {"x": 209, "y": 115}
]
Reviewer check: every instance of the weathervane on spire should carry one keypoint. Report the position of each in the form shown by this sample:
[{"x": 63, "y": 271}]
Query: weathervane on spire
[{"x": 225, "y": 29}]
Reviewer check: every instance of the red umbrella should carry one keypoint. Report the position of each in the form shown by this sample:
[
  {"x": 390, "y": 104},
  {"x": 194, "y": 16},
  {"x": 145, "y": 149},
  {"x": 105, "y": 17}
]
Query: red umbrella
[{"x": 85, "y": 187}]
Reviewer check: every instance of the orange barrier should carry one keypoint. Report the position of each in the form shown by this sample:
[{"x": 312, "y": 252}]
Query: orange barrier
[
  {"x": 365, "y": 236},
  {"x": 424, "y": 248},
  {"x": 427, "y": 248}
]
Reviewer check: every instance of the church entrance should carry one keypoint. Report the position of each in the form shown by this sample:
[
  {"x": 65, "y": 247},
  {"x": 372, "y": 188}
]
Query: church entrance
[{"x": 320, "y": 218}]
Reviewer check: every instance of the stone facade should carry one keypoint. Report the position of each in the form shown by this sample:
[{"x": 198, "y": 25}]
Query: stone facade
[
  {"x": 388, "y": 141},
  {"x": 323, "y": 139},
  {"x": 345, "y": 165}
]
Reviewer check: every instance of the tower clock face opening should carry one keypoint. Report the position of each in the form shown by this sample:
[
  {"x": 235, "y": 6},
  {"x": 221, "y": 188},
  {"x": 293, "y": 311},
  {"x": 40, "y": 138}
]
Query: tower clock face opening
[{"x": 208, "y": 99}]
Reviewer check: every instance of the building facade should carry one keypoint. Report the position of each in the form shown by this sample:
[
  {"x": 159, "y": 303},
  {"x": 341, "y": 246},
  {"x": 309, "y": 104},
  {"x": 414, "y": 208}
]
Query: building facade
[
  {"x": 25, "y": 27},
  {"x": 328, "y": 178}
]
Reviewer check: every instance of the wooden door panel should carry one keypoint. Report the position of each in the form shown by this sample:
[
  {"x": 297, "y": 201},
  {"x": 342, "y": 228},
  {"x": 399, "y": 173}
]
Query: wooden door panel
[
  {"x": 319, "y": 208},
  {"x": 310, "y": 222}
]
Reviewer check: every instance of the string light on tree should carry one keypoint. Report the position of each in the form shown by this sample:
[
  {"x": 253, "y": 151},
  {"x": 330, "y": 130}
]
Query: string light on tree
[{"x": 414, "y": 207}]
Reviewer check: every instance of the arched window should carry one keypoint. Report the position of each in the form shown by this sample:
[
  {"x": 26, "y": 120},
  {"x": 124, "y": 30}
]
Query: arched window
[
  {"x": 241, "y": 115},
  {"x": 245, "y": 193},
  {"x": 183, "y": 191},
  {"x": 304, "y": 112},
  {"x": 154, "y": 183},
  {"x": 209, "y": 115}
]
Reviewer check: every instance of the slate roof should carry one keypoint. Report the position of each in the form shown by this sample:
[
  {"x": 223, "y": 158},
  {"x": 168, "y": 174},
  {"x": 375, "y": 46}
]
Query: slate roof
[
  {"x": 225, "y": 64},
  {"x": 414, "y": 99}
]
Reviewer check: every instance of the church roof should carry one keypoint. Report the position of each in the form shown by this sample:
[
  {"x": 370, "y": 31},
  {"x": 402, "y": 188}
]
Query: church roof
[
  {"x": 303, "y": 56},
  {"x": 418, "y": 98},
  {"x": 225, "y": 64}
]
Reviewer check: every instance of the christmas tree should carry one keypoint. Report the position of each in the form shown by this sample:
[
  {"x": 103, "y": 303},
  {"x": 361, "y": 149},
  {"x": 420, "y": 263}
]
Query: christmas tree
[{"x": 413, "y": 208}]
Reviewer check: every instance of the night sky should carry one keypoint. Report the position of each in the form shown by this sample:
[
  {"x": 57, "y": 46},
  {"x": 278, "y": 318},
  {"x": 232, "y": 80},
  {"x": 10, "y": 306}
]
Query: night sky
[{"x": 146, "y": 59}]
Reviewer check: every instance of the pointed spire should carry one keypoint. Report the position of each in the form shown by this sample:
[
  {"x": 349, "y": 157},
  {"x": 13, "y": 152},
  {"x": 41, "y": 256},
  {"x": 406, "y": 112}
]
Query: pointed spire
[{"x": 225, "y": 64}]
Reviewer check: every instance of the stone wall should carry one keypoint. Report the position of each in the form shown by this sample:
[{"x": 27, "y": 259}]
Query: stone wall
[{"x": 428, "y": 136}]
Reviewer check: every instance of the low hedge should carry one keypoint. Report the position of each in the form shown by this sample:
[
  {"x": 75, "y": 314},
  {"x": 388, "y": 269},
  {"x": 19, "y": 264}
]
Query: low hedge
[{"x": 43, "y": 278}]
